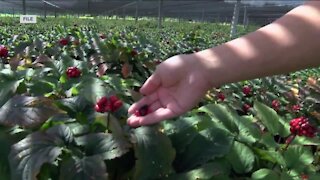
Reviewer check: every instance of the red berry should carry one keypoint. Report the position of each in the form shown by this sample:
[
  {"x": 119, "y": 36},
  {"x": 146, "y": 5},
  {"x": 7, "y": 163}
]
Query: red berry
[
  {"x": 246, "y": 107},
  {"x": 73, "y": 72},
  {"x": 116, "y": 105},
  {"x": 275, "y": 105},
  {"x": 3, "y": 51},
  {"x": 144, "y": 110},
  {"x": 102, "y": 101},
  {"x": 246, "y": 90},
  {"x": 113, "y": 99},
  {"x": 63, "y": 41},
  {"x": 221, "y": 96},
  {"x": 304, "y": 177},
  {"x": 110, "y": 104},
  {"x": 98, "y": 108},
  {"x": 134, "y": 53},
  {"x": 296, "y": 108}
]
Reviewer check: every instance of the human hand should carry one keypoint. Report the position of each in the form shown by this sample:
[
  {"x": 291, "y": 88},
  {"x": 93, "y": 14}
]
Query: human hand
[{"x": 176, "y": 86}]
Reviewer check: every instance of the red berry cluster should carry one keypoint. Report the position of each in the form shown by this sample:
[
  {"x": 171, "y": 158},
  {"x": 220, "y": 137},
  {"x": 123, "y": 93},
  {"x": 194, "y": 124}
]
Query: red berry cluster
[
  {"x": 73, "y": 72},
  {"x": 221, "y": 96},
  {"x": 246, "y": 90},
  {"x": 301, "y": 127},
  {"x": 296, "y": 108},
  {"x": 63, "y": 41},
  {"x": 134, "y": 53},
  {"x": 275, "y": 105},
  {"x": 3, "y": 52},
  {"x": 144, "y": 110},
  {"x": 246, "y": 108},
  {"x": 111, "y": 104}
]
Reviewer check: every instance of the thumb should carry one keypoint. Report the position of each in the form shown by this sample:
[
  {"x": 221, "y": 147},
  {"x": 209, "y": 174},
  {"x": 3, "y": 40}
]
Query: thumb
[{"x": 151, "y": 85}]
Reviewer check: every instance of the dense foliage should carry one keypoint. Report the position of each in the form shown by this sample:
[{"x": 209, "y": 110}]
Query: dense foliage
[{"x": 66, "y": 86}]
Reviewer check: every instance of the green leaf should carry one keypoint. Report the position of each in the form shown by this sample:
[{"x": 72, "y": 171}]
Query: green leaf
[
  {"x": 208, "y": 144},
  {"x": 106, "y": 146},
  {"x": 223, "y": 114},
  {"x": 27, "y": 111},
  {"x": 298, "y": 157},
  {"x": 7, "y": 90},
  {"x": 241, "y": 158},
  {"x": 248, "y": 131},
  {"x": 206, "y": 171},
  {"x": 6, "y": 141},
  {"x": 302, "y": 140},
  {"x": 269, "y": 118},
  {"x": 154, "y": 153},
  {"x": 93, "y": 88},
  {"x": 271, "y": 156},
  {"x": 183, "y": 130},
  {"x": 86, "y": 168},
  {"x": 266, "y": 174},
  {"x": 28, "y": 155},
  {"x": 268, "y": 140},
  {"x": 74, "y": 104}
]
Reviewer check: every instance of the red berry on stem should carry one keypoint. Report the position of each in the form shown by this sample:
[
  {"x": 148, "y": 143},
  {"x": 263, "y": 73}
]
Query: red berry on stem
[
  {"x": 296, "y": 108},
  {"x": 134, "y": 52},
  {"x": 275, "y": 105},
  {"x": 63, "y": 41},
  {"x": 117, "y": 105},
  {"x": 246, "y": 90},
  {"x": 221, "y": 96},
  {"x": 246, "y": 107},
  {"x": 301, "y": 127},
  {"x": 3, "y": 51},
  {"x": 73, "y": 72}
]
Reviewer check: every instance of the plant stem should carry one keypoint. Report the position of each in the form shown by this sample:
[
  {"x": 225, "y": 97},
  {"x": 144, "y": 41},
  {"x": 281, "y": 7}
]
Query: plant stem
[
  {"x": 292, "y": 137},
  {"x": 108, "y": 120}
]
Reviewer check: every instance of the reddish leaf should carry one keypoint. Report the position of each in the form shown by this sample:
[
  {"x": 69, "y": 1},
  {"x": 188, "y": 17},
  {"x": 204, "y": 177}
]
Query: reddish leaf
[{"x": 102, "y": 70}]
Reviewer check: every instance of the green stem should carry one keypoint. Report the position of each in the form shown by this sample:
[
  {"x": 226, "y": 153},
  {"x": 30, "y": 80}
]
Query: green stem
[
  {"x": 108, "y": 120},
  {"x": 290, "y": 141},
  {"x": 291, "y": 138}
]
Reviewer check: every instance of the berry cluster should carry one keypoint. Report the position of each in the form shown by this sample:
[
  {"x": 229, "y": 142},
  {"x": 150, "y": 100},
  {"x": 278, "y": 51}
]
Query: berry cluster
[
  {"x": 111, "y": 104},
  {"x": 3, "y": 52},
  {"x": 246, "y": 90},
  {"x": 63, "y": 41},
  {"x": 275, "y": 105},
  {"x": 144, "y": 110},
  {"x": 296, "y": 108},
  {"x": 221, "y": 96},
  {"x": 73, "y": 72},
  {"x": 134, "y": 53},
  {"x": 301, "y": 127},
  {"x": 246, "y": 108}
]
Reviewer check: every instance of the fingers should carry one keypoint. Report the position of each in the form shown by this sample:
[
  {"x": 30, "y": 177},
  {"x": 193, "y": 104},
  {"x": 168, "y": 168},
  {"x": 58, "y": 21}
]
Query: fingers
[
  {"x": 152, "y": 118},
  {"x": 147, "y": 100},
  {"x": 150, "y": 86}
]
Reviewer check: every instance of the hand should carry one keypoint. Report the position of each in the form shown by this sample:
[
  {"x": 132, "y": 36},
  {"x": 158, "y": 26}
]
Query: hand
[{"x": 176, "y": 86}]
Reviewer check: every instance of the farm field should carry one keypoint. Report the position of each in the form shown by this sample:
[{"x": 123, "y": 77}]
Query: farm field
[{"x": 67, "y": 83}]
